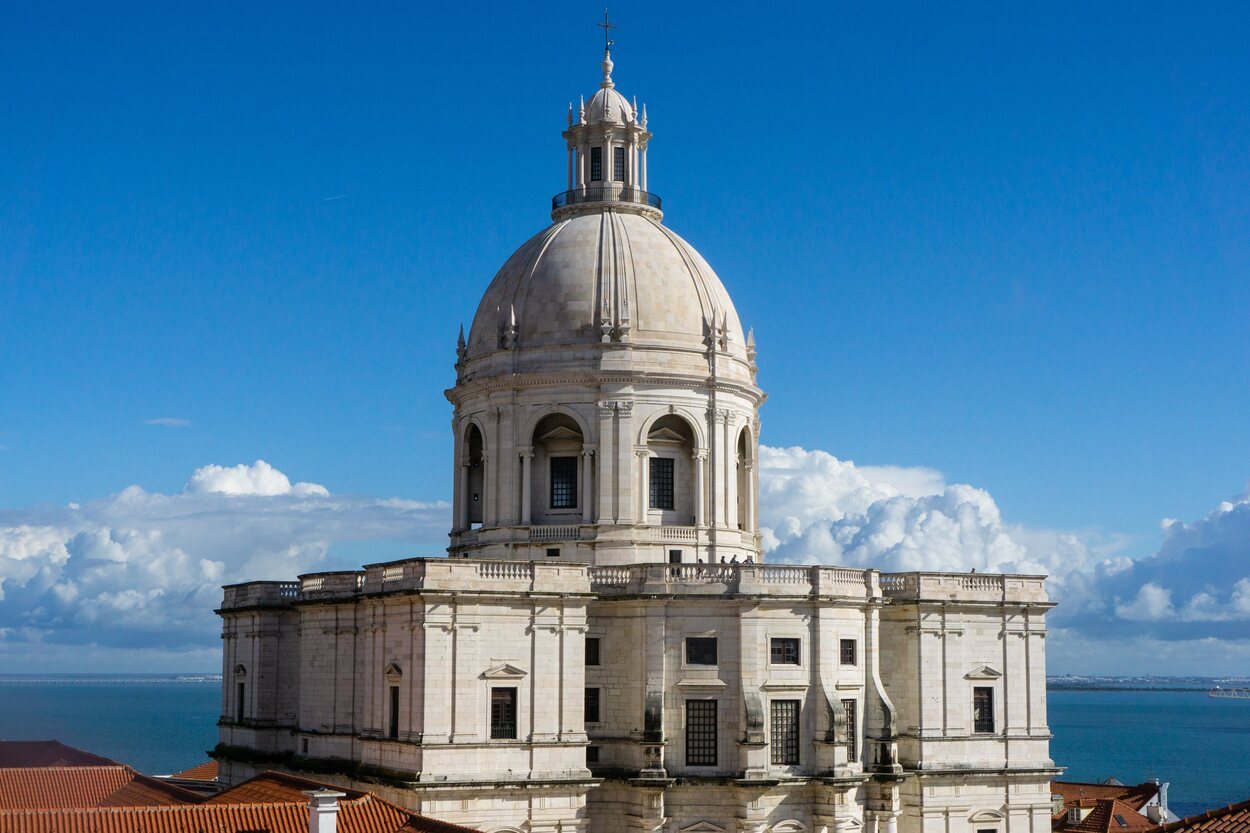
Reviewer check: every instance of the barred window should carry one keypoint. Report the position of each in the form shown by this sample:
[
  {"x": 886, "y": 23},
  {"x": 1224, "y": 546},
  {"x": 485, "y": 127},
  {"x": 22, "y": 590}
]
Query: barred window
[
  {"x": 563, "y": 482},
  {"x": 618, "y": 164},
  {"x": 785, "y": 652},
  {"x": 592, "y": 705},
  {"x": 503, "y": 713},
  {"x": 847, "y": 650},
  {"x": 592, "y": 650},
  {"x": 661, "y": 483},
  {"x": 700, "y": 733},
  {"x": 700, "y": 650},
  {"x": 785, "y": 732},
  {"x": 852, "y": 730},
  {"x": 983, "y": 709},
  {"x": 596, "y": 164}
]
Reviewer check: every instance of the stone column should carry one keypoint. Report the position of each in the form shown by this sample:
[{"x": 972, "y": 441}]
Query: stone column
[
  {"x": 643, "y": 455},
  {"x": 700, "y": 458},
  {"x": 644, "y": 167},
  {"x": 588, "y": 459},
  {"x": 748, "y": 503},
  {"x": 527, "y": 466},
  {"x": 570, "y": 178},
  {"x": 607, "y": 477}
]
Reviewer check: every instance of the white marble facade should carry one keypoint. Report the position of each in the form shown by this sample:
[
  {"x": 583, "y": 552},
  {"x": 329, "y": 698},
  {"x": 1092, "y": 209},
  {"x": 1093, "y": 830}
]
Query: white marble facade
[{"x": 604, "y": 649}]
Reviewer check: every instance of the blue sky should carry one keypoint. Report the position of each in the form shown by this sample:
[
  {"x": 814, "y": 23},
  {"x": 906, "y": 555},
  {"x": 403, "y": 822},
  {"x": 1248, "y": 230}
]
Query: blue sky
[{"x": 1009, "y": 244}]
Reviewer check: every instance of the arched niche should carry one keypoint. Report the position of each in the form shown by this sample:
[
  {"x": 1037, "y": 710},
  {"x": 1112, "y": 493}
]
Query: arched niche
[
  {"x": 669, "y": 480},
  {"x": 557, "y": 471},
  {"x": 745, "y": 456}
]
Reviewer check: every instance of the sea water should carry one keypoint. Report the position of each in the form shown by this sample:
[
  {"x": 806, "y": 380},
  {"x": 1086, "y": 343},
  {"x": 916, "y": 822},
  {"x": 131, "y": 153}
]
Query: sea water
[{"x": 161, "y": 725}]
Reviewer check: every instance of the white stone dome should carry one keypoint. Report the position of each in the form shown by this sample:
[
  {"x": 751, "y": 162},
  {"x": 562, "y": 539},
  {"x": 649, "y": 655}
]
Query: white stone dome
[
  {"x": 603, "y": 277},
  {"x": 607, "y": 105}
]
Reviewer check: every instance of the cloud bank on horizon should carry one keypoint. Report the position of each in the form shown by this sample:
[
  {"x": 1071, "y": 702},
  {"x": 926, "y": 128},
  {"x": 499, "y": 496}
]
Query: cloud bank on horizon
[{"x": 131, "y": 580}]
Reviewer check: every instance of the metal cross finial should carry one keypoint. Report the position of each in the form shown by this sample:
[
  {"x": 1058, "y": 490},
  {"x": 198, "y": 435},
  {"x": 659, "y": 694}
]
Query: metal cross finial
[{"x": 607, "y": 27}]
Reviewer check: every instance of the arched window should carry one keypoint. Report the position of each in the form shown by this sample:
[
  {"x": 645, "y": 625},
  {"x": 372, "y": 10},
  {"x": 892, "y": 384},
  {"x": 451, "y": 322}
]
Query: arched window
[
  {"x": 240, "y": 693},
  {"x": 556, "y": 475},
  {"x": 669, "y": 478},
  {"x": 474, "y": 475},
  {"x": 745, "y": 480}
]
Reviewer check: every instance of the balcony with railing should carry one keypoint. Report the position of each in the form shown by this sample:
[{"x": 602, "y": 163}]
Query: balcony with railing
[
  {"x": 725, "y": 579},
  {"x": 606, "y": 193},
  {"x": 975, "y": 587}
]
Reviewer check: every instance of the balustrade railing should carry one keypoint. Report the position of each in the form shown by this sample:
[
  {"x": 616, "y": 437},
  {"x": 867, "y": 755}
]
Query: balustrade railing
[
  {"x": 554, "y": 532},
  {"x": 605, "y": 193},
  {"x": 505, "y": 570}
]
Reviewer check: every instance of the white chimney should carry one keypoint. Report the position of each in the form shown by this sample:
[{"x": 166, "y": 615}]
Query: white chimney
[{"x": 323, "y": 810}]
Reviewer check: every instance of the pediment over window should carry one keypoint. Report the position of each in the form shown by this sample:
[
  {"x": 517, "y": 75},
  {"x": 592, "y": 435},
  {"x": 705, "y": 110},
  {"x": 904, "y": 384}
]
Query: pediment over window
[
  {"x": 505, "y": 671},
  {"x": 561, "y": 433},
  {"x": 665, "y": 435},
  {"x": 985, "y": 672},
  {"x": 393, "y": 672},
  {"x": 703, "y": 827},
  {"x": 984, "y": 816}
]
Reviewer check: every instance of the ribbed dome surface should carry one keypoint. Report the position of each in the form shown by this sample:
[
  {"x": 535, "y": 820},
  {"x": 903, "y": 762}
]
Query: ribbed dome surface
[
  {"x": 606, "y": 270},
  {"x": 609, "y": 105}
]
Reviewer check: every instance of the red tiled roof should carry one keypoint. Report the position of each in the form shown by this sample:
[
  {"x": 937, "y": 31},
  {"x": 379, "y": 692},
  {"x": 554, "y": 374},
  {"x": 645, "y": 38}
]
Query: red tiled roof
[
  {"x": 1135, "y": 796},
  {"x": 46, "y": 788},
  {"x": 275, "y": 787},
  {"x": 206, "y": 771},
  {"x": 1235, "y": 818},
  {"x": 31, "y": 753}
]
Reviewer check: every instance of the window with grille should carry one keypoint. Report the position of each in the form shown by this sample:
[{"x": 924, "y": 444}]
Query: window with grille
[
  {"x": 503, "y": 713},
  {"x": 784, "y": 652},
  {"x": 700, "y": 650},
  {"x": 700, "y": 733},
  {"x": 618, "y": 164},
  {"x": 592, "y": 650},
  {"x": 661, "y": 482},
  {"x": 847, "y": 650},
  {"x": 596, "y": 164},
  {"x": 563, "y": 482},
  {"x": 852, "y": 730},
  {"x": 983, "y": 709},
  {"x": 785, "y": 732},
  {"x": 392, "y": 729},
  {"x": 592, "y": 705}
]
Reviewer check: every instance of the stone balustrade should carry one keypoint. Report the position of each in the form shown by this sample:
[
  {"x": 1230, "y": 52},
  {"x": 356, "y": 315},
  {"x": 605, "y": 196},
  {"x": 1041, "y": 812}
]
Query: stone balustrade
[
  {"x": 721, "y": 579},
  {"x": 260, "y": 594},
  {"x": 976, "y": 587}
]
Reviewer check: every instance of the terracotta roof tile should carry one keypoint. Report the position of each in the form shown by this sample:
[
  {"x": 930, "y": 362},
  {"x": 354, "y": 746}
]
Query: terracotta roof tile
[
  {"x": 206, "y": 771},
  {"x": 1235, "y": 818},
  {"x": 272, "y": 786},
  {"x": 1135, "y": 796},
  {"x": 41, "y": 788}
]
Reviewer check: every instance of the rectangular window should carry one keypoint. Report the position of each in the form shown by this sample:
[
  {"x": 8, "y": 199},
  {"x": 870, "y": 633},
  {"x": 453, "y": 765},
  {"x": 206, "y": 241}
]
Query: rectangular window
[
  {"x": 852, "y": 730},
  {"x": 785, "y": 732},
  {"x": 983, "y": 709},
  {"x": 592, "y": 705},
  {"x": 553, "y": 552},
  {"x": 592, "y": 650},
  {"x": 847, "y": 650},
  {"x": 503, "y": 713},
  {"x": 592, "y": 754},
  {"x": 700, "y": 650},
  {"x": 674, "y": 556},
  {"x": 700, "y": 733},
  {"x": 392, "y": 729},
  {"x": 596, "y": 164},
  {"x": 661, "y": 482},
  {"x": 784, "y": 652},
  {"x": 563, "y": 482},
  {"x": 239, "y": 691},
  {"x": 618, "y": 164}
]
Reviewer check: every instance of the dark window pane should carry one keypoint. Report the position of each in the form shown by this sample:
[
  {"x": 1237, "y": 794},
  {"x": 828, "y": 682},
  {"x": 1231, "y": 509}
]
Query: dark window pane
[
  {"x": 592, "y": 754},
  {"x": 700, "y": 650},
  {"x": 596, "y": 164},
  {"x": 503, "y": 712},
  {"x": 661, "y": 483},
  {"x": 785, "y": 732},
  {"x": 700, "y": 733},
  {"x": 392, "y": 730},
  {"x": 982, "y": 709},
  {"x": 852, "y": 730},
  {"x": 674, "y": 556},
  {"x": 240, "y": 690},
  {"x": 563, "y": 482},
  {"x": 592, "y": 705},
  {"x": 618, "y": 164},
  {"x": 848, "y": 652},
  {"x": 785, "y": 652},
  {"x": 592, "y": 650}
]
